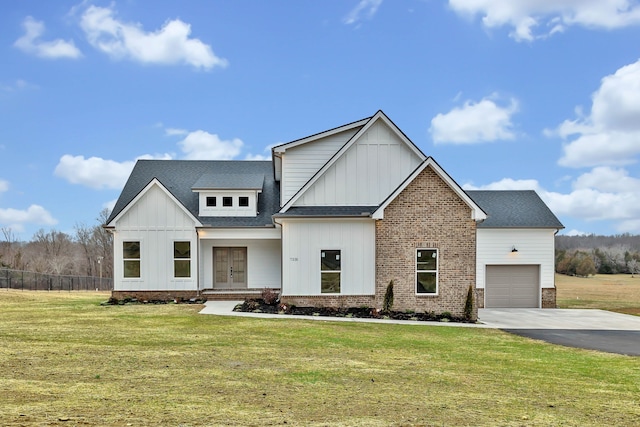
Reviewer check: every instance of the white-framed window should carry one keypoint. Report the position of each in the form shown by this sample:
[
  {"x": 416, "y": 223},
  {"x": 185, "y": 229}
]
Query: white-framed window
[
  {"x": 427, "y": 271},
  {"x": 131, "y": 259},
  {"x": 243, "y": 201},
  {"x": 330, "y": 271},
  {"x": 211, "y": 201},
  {"x": 227, "y": 201},
  {"x": 182, "y": 259}
]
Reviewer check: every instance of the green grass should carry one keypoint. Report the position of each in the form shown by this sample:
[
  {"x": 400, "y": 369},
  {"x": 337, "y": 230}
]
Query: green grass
[
  {"x": 614, "y": 292},
  {"x": 66, "y": 360}
]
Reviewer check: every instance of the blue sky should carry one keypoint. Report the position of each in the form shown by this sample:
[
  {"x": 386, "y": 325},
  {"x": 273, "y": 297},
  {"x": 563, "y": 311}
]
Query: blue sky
[{"x": 504, "y": 94}]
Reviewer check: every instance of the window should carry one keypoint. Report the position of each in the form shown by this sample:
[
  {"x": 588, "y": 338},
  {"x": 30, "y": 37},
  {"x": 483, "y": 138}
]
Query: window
[
  {"x": 330, "y": 271},
  {"x": 227, "y": 201},
  {"x": 211, "y": 201},
  {"x": 131, "y": 257},
  {"x": 427, "y": 271},
  {"x": 243, "y": 201},
  {"x": 182, "y": 259}
]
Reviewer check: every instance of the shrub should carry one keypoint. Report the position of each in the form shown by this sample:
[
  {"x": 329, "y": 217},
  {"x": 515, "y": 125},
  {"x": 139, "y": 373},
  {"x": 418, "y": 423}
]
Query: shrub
[
  {"x": 387, "y": 302},
  {"x": 468, "y": 304},
  {"x": 269, "y": 296}
]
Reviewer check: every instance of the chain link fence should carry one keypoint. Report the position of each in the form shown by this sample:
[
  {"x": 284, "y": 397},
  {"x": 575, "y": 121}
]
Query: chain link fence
[{"x": 29, "y": 280}]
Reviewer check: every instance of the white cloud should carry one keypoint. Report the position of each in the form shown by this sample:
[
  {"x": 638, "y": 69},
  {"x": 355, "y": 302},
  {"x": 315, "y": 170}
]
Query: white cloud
[
  {"x": 607, "y": 179},
  {"x": 97, "y": 173},
  {"x": 266, "y": 153},
  {"x": 553, "y": 16},
  {"x": 507, "y": 184},
  {"x": 174, "y": 131},
  {"x": 365, "y": 9},
  {"x": 16, "y": 219},
  {"x": 610, "y": 134},
  {"x": 4, "y": 186},
  {"x": 30, "y": 42},
  {"x": 202, "y": 145},
  {"x": 603, "y": 194},
  {"x": 169, "y": 45},
  {"x": 475, "y": 122}
]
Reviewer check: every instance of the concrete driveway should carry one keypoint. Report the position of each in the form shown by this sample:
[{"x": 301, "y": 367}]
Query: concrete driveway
[{"x": 591, "y": 329}]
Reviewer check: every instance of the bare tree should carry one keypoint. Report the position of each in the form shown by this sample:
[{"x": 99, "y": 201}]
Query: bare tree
[
  {"x": 97, "y": 247},
  {"x": 634, "y": 266},
  {"x": 11, "y": 254},
  {"x": 57, "y": 249}
]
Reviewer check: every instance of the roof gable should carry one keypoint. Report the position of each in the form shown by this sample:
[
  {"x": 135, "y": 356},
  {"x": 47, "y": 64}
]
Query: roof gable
[
  {"x": 179, "y": 176},
  {"x": 476, "y": 211},
  {"x": 378, "y": 117},
  {"x": 154, "y": 183}
]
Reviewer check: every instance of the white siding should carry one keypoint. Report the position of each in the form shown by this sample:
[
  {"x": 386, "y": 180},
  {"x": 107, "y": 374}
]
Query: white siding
[
  {"x": 235, "y": 209},
  {"x": 366, "y": 173},
  {"x": 263, "y": 261},
  {"x": 300, "y": 163},
  {"x": 302, "y": 243},
  {"x": 156, "y": 221},
  {"x": 535, "y": 247}
]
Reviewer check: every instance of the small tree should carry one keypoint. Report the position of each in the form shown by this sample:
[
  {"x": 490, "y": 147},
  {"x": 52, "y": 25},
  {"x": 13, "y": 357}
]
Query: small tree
[
  {"x": 387, "y": 303},
  {"x": 468, "y": 304}
]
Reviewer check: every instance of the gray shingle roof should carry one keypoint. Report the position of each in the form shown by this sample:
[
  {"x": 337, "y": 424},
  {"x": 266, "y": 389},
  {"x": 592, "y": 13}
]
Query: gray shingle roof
[
  {"x": 236, "y": 181},
  {"x": 180, "y": 176},
  {"x": 328, "y": 211},
  {"x": 514, "y": 209}
]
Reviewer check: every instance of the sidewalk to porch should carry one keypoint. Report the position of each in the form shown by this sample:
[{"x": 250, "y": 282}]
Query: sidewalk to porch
[{"x": 225, "y": 308}]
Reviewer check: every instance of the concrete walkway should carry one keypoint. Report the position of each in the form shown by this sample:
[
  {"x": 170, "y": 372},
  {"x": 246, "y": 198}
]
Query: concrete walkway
[
  {"x": 225, "y": 308},
  {"x": 536, "y": 318}
]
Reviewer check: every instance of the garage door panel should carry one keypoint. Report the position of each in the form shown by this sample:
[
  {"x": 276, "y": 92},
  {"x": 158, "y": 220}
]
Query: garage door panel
[{"x": 515, "y": 286}]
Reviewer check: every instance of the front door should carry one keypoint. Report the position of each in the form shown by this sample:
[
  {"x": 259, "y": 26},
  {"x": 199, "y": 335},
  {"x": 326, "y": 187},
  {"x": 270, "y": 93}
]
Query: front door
[{"x": 230, "y": 268}]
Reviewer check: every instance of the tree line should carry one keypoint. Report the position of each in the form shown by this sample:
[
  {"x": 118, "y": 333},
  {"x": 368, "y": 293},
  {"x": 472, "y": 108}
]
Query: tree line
[
  {"x": 87, "y": 252},
  {"x": 593, "y": 254}
]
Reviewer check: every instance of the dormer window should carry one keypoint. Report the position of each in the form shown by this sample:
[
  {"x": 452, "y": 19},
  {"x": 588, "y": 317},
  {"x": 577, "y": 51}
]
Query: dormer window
[{"x": 228, "y": 195}]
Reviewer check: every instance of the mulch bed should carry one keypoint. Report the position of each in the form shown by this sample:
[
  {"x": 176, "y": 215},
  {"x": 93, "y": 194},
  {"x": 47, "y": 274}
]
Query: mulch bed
[{"x": 259, "y": 306}]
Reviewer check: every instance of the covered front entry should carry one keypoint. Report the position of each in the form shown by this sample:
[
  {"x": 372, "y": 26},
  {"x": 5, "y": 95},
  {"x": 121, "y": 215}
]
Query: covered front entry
[
  {"x": 512, "y": 286},
  {"x": 229, "y": 268}
]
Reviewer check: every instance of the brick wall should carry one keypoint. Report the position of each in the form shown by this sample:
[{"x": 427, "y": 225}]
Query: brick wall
[
  {"x": 548, "y": 297},
  {"x": 480, "y": 297},
  {"x": 336, "y": 301},
  {"x": 154, "y": 295},
  {"x": 427, "y": 214}
]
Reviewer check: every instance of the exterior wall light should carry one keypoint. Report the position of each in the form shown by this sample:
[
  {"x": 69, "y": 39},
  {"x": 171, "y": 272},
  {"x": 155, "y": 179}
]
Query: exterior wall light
[{"x": 513, "y": 249}]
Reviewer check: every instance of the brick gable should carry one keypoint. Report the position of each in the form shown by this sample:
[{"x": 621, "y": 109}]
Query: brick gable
[{"x": 427, "y": 214}]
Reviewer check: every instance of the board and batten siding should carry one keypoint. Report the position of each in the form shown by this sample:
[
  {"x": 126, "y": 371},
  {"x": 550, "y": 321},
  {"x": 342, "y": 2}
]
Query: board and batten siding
[
  {"x": 535, "y": 247},
  {"x": 371, "y": 169},
  {"x": 300, "y": 163},
  {"x": 263, "y": 261},
  {"x": 156, "y": 221},
  {"x": 304, "y": 240}
]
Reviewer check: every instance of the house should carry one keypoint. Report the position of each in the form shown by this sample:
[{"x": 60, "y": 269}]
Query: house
[{"x": 331, "y": 220}]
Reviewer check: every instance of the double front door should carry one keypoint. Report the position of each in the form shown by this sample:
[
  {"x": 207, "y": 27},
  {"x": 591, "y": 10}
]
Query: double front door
[{"x": 229, "y": 268}]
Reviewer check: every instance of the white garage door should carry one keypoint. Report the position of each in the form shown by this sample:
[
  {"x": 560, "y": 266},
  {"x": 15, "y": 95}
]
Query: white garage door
[{"x": 515, "y": 286}]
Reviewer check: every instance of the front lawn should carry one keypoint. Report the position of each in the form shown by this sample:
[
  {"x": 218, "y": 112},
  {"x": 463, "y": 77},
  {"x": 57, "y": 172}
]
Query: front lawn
[{"x": 66, "y": 360}]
